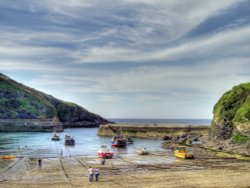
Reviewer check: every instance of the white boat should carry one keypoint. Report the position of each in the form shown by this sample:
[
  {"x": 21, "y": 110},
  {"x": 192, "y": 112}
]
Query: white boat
[
  {"x": 142, "y": 151},
  {"x": 55, "y": 137}
]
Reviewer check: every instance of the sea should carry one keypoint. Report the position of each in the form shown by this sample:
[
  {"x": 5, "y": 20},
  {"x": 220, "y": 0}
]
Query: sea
[{"x": 39, "y": 144}]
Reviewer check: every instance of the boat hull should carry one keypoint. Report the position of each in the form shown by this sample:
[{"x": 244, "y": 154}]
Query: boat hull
[
  {"x": 55, "y": 139},
  {"x": 184, "y": 155},
  {"x": 8, "y": 157},
  {"x": 141, "y": 152},
  {"x": 105, "y": 155},
  {"x": 118, "y": 143},
  {"x": 69, "y": 142}
]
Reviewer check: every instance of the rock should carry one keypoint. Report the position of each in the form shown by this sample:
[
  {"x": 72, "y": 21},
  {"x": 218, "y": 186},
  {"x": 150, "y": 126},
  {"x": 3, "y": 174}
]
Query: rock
[
  {"x": 167, "y": 137},
  {"x": 220, "y": 148}
]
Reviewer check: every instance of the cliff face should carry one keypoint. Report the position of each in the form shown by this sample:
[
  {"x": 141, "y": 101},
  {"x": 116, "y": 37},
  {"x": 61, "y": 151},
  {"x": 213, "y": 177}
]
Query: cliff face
[
  {"x": 232, "y": 115},
  {"x": 18, "y": 101}
]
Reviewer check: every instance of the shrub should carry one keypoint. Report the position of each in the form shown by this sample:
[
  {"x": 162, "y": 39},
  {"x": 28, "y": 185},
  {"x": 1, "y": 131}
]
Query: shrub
[{"x": 239, "y": 139}]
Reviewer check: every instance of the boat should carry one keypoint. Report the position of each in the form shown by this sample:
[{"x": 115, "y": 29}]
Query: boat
[
  {"x": 181, "y": 152},
  {"x": 55, "y": 137},
  {"x": 68, "y": 140},
  {"x": 118, "y": 133},
  {"x": 142, "y": 151},
  {"x": 8, "y": 157},
  {"x": 118, "y": 141},
  {"x": 105, "y": 153},
  {"x": 128, "y": 140}
]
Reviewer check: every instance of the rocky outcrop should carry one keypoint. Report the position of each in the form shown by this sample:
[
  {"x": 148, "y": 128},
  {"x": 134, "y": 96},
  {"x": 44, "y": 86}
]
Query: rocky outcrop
[
  {"x": 18, "y": 101},
  {"x": 230, "y": 128},
  {"x": 232, "y": 113}
]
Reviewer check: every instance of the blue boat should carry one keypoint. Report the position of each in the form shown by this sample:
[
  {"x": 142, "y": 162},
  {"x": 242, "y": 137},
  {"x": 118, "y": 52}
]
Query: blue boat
[
  {"x": 69, "y": 140},
  {"x": 118, "y": 141}
]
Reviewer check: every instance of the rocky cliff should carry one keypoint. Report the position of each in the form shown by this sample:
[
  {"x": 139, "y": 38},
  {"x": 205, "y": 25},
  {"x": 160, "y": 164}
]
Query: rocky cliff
[
  {"x": 18, "y": 101},
  {"x": 231, "y": 121}
]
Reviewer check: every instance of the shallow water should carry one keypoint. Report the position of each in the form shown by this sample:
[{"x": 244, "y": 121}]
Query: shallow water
[{"x": 87, "y": 143}]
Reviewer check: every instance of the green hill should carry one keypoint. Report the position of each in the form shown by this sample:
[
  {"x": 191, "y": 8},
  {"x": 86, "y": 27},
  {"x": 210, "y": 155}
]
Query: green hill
[
  {"x": 232, "y": 115},
  {"x": 18, "y": 101}
]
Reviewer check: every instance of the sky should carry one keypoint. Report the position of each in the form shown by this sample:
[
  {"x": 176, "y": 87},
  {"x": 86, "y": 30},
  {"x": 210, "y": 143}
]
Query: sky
[{"x": 128, "y": 58}]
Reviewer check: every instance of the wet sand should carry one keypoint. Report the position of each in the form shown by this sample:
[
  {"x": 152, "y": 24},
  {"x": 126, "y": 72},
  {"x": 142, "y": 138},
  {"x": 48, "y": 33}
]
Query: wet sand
[{"x": 155, "y": 170}]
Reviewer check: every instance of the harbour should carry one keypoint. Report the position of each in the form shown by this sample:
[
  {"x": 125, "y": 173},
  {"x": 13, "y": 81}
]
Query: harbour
[
  {"x": 67, "y": 166},
  {"x": 87, "y": 142}
]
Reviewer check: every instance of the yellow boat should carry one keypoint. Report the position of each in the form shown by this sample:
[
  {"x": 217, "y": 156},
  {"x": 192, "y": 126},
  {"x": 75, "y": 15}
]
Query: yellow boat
[
  {"x": 8, "y": 157},
  {"x": 181, "y": 152}
]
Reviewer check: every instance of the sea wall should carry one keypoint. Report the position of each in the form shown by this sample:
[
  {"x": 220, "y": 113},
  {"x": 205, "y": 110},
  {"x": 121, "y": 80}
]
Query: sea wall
[
  {"x": 150, "y": 130},
  {"x": 30, "y": 125}
]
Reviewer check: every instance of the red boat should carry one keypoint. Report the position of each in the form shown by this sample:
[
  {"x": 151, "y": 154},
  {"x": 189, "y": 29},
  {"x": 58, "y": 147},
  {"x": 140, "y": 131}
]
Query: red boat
[
  {"x": 105, "y": 153},
  {"x": 118, "y": 141}
]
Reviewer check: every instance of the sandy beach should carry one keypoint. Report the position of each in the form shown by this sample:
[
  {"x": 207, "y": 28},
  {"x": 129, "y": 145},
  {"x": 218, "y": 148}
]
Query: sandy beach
[{"x": 154, "y": 170}]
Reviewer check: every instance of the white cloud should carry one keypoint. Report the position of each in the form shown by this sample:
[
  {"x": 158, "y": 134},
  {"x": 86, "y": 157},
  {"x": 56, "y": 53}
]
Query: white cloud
[
  {"x": 35, "y": 67},
  {"x": 226, "y": 43},
  {"x": 23, "y": 51},
  {"x": 146, "y": 29},
  {"x": 210, "y": 78}
]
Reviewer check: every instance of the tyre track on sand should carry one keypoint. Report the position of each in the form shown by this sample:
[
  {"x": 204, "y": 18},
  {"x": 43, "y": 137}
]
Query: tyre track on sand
[
  {"x": 11, "y": 165},
  {"x": 15, "y": 171},
  {"x": 82, "y": 162},
  {"x": 65, "y": 173}
]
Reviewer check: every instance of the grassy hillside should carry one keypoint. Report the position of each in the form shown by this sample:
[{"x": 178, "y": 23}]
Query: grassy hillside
[
  {"x": 232, "y": 113},
  {"x": 18, "y": 101}
]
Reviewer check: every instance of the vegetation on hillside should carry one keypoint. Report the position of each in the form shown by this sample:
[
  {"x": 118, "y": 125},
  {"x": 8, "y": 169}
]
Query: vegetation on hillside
[
  {"x": 233, "y": 110},
  {"x": 18, "y": 101}
]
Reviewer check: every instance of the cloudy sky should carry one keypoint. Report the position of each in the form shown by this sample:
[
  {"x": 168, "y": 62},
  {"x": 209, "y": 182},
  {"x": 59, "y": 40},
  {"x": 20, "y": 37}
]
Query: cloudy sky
[{"x": 128, "y": 58}]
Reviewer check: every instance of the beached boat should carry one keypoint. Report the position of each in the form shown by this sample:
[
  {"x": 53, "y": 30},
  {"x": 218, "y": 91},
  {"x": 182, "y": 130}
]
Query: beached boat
[
  {"x": 118, "y": 141},
  {"x": 68, "y": 140},
  {"x": 8, "y": 157},
  {"x": 181, "y": 152},
  {"x": 55, "y": 137},
  {"x": 105, "y": 153},
  {"x": 142, "y": 151}
]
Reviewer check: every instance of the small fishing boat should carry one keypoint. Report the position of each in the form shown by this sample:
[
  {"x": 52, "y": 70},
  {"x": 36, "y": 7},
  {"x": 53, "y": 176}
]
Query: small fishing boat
[
  {"x": 118, "y": 141},
  {"x": 8, "y": 157},
  {"x": 181, "y": 152},
  {"x": 128, "y": 140},
  {"x": 105, "y": 153},
  {"x": 68, "y": 140},
  {"x": 142, "y": 151},
  {"x": 55, "y": 137}
]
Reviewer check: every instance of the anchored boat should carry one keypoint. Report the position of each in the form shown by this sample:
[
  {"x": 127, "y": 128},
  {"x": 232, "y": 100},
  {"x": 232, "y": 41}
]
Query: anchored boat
[
  {"x": 105, "y": 153},
  {"x": 118, "y": 141},
  {"x": 181, "y": 152},
  {"x": 128, "y": 140},
  {"x": 69, "y": 140},
  {"x": 55, "y": 137}
]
